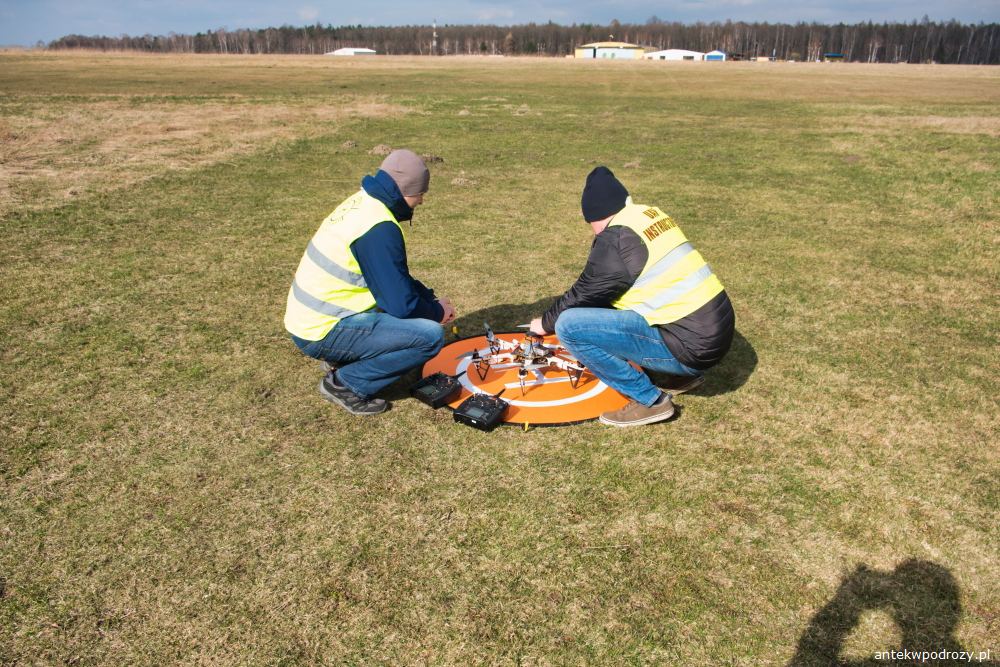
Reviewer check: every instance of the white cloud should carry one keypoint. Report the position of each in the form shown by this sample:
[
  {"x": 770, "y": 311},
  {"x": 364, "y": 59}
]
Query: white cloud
[
  {"x": 495, "y": 15},
  {"x": 308, "y": 13}
]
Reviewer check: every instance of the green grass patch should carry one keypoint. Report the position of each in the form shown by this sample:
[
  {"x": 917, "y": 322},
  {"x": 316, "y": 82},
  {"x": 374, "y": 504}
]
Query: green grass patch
[{"x": 174, "y": 489}]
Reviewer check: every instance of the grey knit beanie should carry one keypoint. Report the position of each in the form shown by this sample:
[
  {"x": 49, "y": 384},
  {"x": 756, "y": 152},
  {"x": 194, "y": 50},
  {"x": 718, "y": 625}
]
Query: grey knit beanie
[{"x": 408, "y": 170}]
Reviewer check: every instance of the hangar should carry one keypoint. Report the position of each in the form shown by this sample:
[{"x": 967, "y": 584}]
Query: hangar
[
  {"x": 675, "y": 54},
  {"x": 620, "y": 50},
  {"x": 350, "y": 51}
]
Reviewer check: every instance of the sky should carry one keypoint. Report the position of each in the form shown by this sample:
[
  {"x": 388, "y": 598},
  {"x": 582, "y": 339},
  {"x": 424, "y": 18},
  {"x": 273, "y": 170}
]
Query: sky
[{"x": 26, "y": 22}]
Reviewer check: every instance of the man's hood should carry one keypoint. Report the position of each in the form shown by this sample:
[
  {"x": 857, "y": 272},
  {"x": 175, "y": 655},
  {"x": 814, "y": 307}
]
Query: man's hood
[{"x": 382, "y": 187}]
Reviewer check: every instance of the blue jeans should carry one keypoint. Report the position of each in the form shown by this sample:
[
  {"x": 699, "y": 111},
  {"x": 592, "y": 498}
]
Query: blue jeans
[
  {"x": 605, "y": 340},
  {"x": 372, "y": 350}
]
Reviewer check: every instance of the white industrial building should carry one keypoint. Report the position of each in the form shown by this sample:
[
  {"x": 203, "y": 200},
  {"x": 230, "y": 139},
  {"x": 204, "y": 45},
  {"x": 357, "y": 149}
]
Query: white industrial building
[
  {"x": 620, "y": 50},
  {"x": 675, "y": 54},
  {"x": 350, "y": 51}
]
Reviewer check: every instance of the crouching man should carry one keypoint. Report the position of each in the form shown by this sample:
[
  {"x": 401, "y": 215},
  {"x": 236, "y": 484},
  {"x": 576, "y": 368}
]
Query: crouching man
[
  {"x": 645, "y": 296},
  {"x": 353, "y": 303}
]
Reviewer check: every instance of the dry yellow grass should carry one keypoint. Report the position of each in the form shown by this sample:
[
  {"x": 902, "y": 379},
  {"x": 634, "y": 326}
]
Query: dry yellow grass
[{"x": 51, "y": 155}]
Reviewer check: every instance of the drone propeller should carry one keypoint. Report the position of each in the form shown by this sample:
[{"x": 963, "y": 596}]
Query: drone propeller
[{"x": 495, "y": 344}]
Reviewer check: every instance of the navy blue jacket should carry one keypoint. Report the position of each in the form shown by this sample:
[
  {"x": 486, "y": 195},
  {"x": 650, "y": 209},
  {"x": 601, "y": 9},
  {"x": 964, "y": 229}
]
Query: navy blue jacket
[{"x": 381, "y": 253}]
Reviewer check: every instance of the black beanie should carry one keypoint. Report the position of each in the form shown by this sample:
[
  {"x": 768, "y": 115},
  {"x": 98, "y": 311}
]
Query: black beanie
[{"x": 603, "y": 195}]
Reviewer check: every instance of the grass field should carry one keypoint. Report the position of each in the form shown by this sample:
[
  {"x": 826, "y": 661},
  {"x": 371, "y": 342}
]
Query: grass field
[{"x": 174, "y": 490}]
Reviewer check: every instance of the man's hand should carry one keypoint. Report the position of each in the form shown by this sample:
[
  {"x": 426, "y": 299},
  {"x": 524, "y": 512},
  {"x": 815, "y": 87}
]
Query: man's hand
[
  {"x": 449, "y": 310},
  {"x": 536, "y": 327}
]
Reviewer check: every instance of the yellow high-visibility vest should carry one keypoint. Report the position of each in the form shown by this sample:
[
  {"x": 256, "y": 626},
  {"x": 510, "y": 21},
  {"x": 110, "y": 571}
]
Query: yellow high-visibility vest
[
  {"x": 676, "y": 280},
  {"x": 328, "y": 284}
]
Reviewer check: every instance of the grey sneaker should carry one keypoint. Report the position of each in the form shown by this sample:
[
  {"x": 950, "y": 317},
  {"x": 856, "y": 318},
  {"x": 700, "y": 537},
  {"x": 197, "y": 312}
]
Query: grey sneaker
[
  {"x": 636, "y": 414},
  {"x": 327, "y": 367},
  {"x": 678, "y": 384},
  {"x": 347, "y": 399}
]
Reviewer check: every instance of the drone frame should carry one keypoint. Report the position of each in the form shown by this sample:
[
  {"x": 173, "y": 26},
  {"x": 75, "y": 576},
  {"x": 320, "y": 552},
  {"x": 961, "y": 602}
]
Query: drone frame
[{"x": 502, "y": 351}]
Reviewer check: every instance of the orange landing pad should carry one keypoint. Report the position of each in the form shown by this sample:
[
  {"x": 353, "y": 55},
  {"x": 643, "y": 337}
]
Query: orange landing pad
[{"x": 549, "y": 397}]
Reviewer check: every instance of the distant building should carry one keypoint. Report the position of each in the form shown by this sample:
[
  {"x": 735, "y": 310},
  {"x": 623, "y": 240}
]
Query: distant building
[
  {"x": 350, "y": 51},
  {"x": 620, "y": 50},
  {"x": 674, "y": 54},
  {"x": 715, "y": 55},
  {"x": 833, "y": 57}
]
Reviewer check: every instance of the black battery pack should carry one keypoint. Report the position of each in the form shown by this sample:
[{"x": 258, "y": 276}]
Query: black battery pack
[
  {"x": 482, "y": 411},
  {"x": 437, "y": 389}
]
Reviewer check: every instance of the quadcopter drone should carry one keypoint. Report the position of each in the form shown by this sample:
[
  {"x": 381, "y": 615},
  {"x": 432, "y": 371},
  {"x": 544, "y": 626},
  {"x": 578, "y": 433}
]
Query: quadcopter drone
[{"x": 528, "y": 355}]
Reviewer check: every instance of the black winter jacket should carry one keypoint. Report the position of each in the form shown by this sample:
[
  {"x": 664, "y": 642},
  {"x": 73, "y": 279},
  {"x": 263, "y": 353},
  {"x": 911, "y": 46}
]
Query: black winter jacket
[{"x": 617, "y": 257}]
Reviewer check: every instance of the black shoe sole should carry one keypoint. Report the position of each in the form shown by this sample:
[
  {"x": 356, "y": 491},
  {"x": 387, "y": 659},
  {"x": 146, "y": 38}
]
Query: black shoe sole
[
  {"x": 686, "y": 384},
  {"x": 333, "y": 398}
]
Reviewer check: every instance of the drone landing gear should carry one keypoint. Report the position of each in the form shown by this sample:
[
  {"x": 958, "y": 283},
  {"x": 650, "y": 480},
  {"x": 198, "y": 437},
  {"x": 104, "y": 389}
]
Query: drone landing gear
[
  {"x": 482, "y": 365},
  {"x": 521, "y": 374},
  {"x": 574, "y": 376}
]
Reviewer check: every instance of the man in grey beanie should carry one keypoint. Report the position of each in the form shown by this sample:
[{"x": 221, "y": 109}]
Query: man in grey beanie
[{"x": 353, "y": 303}]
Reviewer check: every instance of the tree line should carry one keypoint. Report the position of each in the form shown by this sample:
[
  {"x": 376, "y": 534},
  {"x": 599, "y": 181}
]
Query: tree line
[{"x": 922, "y": 41}]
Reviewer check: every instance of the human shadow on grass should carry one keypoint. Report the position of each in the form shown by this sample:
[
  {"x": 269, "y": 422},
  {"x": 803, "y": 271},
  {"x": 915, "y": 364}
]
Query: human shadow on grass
[
  {"x": 921, "y": 597},
  {"x": 734, "y": 370},
  {"x": 729, "y": 375}
]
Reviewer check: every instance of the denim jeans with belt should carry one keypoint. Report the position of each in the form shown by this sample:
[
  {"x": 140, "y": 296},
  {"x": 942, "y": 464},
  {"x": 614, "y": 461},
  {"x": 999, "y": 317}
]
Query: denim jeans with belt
[
  {"x": 373, "y": 349},
  {"x": 606, "y": 340}
]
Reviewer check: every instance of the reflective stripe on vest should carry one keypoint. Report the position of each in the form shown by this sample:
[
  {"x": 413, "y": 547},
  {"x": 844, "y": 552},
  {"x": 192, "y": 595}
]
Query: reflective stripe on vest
[
  {"x": 311, "y": 302},
  {"x": 333, "y": 268},
  {"x": 668, "y": 262},
  {"x": 328, "y": 284},
  {"x": 676, "y": 280}
]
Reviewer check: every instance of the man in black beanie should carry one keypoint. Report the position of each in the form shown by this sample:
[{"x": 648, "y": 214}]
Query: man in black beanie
[{"x": 645, "y": 296}]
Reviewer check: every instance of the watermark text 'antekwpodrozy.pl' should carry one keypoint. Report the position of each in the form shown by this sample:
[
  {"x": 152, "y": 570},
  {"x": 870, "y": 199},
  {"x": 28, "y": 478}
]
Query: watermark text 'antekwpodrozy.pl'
[{"x": 933, "y": 656}]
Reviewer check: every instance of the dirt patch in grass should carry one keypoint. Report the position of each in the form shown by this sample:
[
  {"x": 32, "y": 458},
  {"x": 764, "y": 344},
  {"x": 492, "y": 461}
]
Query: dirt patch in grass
[
  {"x": 380, "y": 150},
  {"x": 50, "y": 154}
]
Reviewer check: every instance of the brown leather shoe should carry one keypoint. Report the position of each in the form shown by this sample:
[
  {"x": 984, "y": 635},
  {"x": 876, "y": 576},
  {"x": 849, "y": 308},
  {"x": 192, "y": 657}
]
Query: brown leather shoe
[{"x": 637, "y": 414}]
